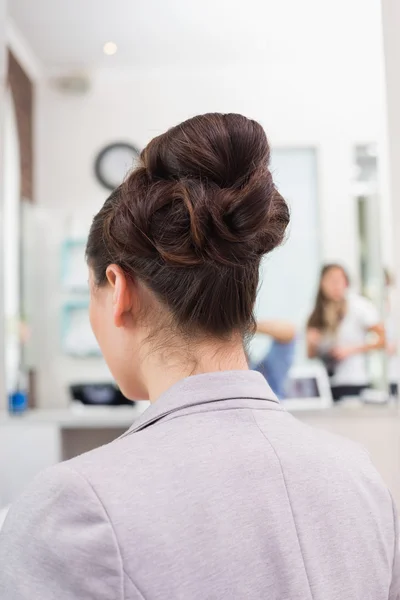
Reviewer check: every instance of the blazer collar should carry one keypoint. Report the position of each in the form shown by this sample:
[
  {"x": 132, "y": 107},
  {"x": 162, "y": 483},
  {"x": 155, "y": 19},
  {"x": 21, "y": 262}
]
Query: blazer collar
[{"x": 204, "y": 389}]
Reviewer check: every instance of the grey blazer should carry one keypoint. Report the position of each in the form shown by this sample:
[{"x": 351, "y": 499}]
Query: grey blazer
[{"x": 216, "y": 493}]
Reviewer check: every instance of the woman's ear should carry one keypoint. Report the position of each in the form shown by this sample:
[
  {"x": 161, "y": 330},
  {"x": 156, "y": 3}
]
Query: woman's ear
[{"x": 122, "y": 294}]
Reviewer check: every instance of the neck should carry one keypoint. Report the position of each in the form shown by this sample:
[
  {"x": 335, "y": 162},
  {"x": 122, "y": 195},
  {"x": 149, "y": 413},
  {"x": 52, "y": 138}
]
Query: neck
[{"x": 161, "y": 371}]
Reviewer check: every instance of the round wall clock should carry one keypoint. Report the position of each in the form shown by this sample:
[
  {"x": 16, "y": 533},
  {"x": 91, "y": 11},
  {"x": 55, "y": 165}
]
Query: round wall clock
[{"x": 113, "y": 163}]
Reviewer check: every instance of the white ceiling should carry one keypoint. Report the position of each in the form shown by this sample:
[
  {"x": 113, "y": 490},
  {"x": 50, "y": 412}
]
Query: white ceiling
[{"x": 192, "y": 33}]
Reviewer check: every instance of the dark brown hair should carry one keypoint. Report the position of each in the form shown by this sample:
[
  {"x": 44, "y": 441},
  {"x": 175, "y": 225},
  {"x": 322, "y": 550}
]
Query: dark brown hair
[
  {"x": 321, "y": 317},
  {"x": 193, "y": 221}
]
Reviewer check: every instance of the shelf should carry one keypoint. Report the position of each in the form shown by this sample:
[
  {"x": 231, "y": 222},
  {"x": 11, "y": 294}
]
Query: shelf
[
  {"x": 74, "y": 272},
  {"x": 77, "y": 336}
]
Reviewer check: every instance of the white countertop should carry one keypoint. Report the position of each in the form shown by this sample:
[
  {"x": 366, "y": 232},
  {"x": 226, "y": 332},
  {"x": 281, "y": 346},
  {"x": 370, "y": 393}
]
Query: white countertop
[
  {"x": 122, "y": 417},
  {"x": 79, "y": 416}
]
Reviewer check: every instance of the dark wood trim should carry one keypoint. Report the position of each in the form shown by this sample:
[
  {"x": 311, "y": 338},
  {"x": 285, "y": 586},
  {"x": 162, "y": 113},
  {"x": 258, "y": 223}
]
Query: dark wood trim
[{"x": 22, "y": 90}]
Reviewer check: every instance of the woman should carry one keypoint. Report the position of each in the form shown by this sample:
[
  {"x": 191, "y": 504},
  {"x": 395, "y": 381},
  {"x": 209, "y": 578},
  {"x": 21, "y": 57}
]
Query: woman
[
  {"x": 215, "y": 492},
  {"x": 338, "y": 329}
]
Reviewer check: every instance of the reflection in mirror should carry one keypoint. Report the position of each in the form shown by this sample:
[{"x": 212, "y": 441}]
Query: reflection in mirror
[
  {"x": 343, "y": 330},
  {"x": 291, "y": 271},
  {"x": 89, "y": 100}
]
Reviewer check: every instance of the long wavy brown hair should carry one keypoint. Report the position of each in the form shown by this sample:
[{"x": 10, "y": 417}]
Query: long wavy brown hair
[{"x": 327, "y": 315}]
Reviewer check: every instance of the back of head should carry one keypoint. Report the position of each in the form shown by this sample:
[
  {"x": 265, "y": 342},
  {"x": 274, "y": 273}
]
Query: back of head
[{"x": 193, "y": 221}]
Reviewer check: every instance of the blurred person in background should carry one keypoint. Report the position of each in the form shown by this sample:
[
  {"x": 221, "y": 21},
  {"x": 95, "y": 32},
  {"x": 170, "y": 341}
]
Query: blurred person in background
[
  {"x": 215, "y": 492},
  {"x": 275, "y": 365},
  {"x": 342, "y": 328}
]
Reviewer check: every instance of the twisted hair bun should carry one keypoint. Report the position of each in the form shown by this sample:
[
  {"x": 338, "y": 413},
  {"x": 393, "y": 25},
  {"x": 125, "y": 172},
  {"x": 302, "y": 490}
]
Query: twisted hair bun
[
  {"x": 203, "y": 197},
  {"x": 208, "y": 193}
]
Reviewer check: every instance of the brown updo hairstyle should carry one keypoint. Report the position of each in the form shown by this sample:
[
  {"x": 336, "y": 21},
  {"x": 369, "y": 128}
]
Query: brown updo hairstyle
[{"x": 192, "y": 222}]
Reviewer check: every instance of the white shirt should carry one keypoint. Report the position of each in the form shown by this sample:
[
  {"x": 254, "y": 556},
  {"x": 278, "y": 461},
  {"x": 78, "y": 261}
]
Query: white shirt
[{"x": 360, "y": 316}]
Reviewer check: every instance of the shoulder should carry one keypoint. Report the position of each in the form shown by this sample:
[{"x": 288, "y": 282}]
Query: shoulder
[
  {"x": 59, "y": 481},
  {"x": 58, "y": 494},
  {"x": 60, "y": 515},
  {"x": 112, "y": 468},
  {"x": 357, "y": 301}
]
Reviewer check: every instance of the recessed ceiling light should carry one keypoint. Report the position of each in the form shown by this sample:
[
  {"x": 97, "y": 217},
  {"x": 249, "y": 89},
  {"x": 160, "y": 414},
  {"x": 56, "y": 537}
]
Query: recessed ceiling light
[{"x": 110, "y": 48}]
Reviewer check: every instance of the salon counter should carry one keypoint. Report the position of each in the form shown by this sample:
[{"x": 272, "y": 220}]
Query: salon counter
[
  {"x": 40, "y": 438},
  {"x": 79, "y": 417}
]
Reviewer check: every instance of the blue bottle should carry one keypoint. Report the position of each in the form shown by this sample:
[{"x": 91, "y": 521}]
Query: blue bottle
[{"x": 18, "y": 400}]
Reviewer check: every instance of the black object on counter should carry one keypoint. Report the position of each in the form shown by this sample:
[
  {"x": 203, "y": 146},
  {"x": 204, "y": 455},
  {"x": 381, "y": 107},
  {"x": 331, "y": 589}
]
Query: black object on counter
[{"x": 99, "y": 394}]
